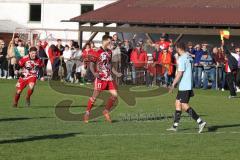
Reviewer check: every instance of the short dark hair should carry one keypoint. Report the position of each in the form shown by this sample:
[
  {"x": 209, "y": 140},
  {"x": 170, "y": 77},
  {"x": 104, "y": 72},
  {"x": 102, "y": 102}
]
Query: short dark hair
[
  {"x": 33, "y": 49},
  {"x": 76, "y": 45},
  {"x": 106, "y": 37},
  {"x": 59, "y": 40},
  {"x": 67, "y": 46},
  {"x": 181, "y": 45},
  {"x": 16, "y": 36}
]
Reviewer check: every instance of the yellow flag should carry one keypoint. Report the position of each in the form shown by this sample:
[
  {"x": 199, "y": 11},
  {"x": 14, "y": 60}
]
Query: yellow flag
[{"x": 224, "y": 34}]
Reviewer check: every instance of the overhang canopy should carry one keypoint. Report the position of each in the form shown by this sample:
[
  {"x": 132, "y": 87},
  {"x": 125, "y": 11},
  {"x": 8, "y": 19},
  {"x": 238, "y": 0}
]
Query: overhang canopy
[{"x": 172, "y": 16}]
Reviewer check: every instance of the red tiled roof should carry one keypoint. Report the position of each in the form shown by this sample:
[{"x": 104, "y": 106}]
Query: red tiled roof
[{"x": 167, "y": 12}]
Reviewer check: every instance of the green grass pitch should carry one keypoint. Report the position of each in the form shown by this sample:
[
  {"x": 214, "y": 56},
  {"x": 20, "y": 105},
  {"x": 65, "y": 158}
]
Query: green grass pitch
[{"x": 138, "y": 133}]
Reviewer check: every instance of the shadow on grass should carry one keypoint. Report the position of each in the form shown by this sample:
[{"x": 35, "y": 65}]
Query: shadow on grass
[
  {"x": 38, "y": 107},
  {"x": 21, "y": 119},
  {"x": 38, "y": 138},
  {"x": 215, "y": 128}
]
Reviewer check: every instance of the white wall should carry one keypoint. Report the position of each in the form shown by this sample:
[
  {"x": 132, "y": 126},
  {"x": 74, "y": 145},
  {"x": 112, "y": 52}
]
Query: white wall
[{"x": 53, "y": 11}]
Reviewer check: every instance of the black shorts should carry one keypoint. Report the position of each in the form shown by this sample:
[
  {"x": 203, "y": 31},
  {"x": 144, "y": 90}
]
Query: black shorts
[{"x": 184, "y": 96}]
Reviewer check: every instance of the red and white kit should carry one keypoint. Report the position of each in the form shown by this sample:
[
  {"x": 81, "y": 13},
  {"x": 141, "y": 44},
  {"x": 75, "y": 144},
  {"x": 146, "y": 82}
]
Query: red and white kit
[
  {"x": 29, "y": 71},
  {"x": 105, "y": 80}
]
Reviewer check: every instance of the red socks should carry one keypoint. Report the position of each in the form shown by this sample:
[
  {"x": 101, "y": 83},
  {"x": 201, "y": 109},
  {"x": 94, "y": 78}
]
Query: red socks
[
  {"x": 29, "y": 93},
  {"x": 90, "y": 104},
  {"x": 110, "y": 103},
  {"x": 16, "y": 98}
]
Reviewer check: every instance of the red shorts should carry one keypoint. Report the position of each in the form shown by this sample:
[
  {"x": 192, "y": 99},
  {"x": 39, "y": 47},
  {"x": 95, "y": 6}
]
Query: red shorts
[
  {"x": 22, "y": 83},
  {"x": 101, "y": 85}
]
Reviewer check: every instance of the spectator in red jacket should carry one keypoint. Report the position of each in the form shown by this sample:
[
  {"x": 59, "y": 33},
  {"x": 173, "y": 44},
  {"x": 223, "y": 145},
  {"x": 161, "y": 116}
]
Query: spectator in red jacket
[
  {"x": 87, "y": 55},
  {"x": 138, "y": 59},
  {"x": 54, "y": 56},
  {"x": 166, "y": 62}
]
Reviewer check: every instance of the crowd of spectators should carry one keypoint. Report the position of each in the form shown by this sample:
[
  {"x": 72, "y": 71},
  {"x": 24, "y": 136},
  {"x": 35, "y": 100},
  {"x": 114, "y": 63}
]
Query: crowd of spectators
[{"x": 140, "y": 61}]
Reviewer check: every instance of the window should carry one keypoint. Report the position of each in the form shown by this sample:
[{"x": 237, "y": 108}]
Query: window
[
  {"x": 35, "y": 12},
  {"x": 86, "y": 8}
]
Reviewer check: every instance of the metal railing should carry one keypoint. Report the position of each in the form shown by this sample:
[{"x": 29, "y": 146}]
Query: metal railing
[{"x": 128, "y": 70}]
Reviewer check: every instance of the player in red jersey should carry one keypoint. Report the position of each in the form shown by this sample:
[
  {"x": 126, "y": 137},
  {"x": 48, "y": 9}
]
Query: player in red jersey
[
  {"x": 27, "y": 69},
  {"x": 102, "y": 70}
]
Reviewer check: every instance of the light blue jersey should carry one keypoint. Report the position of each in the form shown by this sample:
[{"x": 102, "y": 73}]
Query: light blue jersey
[{"x": 185, "y": 65}]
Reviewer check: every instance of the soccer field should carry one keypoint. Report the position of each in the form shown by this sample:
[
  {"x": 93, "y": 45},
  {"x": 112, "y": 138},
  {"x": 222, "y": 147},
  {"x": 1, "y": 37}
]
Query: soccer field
[{"x": 138, "y": 132}]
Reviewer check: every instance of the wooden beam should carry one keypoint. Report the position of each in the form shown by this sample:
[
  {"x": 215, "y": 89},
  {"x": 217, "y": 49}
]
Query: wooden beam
[
  {"x": 136, "y": 29},
  {"x": 91, "y": 38},
  {"x": 80, "y": 37},
  {"x": 149, "y": 37},
  {"x": 178, "y": 38}
]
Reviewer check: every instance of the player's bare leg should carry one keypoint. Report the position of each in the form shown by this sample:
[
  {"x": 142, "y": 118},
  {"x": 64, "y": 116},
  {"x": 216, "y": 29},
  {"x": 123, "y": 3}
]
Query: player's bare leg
[
  {"x": 109, "y": 105},
  {"x": 91, "y": 102},
  {"x": 17, "y": 97},
  {"x": 29, "y": 93}
]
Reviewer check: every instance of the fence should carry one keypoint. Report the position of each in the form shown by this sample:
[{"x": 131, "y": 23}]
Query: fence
[{"x": 126, "y": 70}]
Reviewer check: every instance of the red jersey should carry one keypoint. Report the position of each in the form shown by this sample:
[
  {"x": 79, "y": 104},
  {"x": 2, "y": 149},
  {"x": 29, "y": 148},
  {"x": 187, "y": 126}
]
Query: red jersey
[
  {"x": 163, "y": 44},
  {"x": 87, "y": 55},
  {"x": 30, "y": 67},
  {"x": 103, "y": 59}
]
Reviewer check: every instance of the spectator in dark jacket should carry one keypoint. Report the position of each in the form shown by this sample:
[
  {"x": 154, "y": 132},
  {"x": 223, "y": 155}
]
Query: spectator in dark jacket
[
  {"x": 208, "y": 70},
  {"x": 238, "y": 70},
  {"x": 230, "y": 69},
  {"x": 197, "y": 55},
  {"x": 3, "y": 60},
  {"x": 41, "y": 46},
  {"x": 126, "y": 50},
  {"x": 219, "y": 60}
]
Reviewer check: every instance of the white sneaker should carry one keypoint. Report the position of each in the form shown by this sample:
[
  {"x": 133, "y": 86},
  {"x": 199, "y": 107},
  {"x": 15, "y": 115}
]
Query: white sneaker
[
  {"x": 76, "y": 81},
  {"x": 223, "y": 89},
  {"x": 71, "y": 80},
  {"x": 202, "y": 126},
  {"x": 10, "y": 78},
  {"x": 230, "y": 97},
  {"x": 172, "y": 129},
  {"x": 4, "y": 77},
  {"x": 238, "y": 90}
]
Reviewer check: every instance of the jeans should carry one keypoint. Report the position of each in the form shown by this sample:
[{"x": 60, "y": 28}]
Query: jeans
[
  {"x": 69, "y": 66},
  {"x": 166, "y": 78},
  {"x": 136, "y": 77},
  {"x": 3, "y": 72},
  {"x": 149, "y": 79},
  {"x": 209, "y": 74},
  {"x": 197, "y": 73},
  {"x": 221, "y": 77},
  {"x": 133, "y": 74}
]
